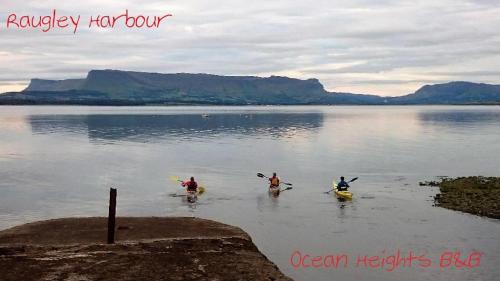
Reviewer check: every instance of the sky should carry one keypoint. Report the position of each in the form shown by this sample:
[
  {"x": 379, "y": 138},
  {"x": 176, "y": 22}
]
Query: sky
[{"x": 383, "y": 47}]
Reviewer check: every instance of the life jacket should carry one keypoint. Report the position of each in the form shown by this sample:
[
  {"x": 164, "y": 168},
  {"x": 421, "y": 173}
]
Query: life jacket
[
  {"x": 191, "y": 185},
  {"x": 342, "y": 185},
  {"x": 275, "y": 181}
]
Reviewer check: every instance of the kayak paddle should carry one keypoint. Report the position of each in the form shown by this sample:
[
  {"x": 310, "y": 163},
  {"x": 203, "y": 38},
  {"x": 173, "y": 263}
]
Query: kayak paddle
[
  {"x": 335, "y": 185},
  {"x": 260, "y": 175},
  {"x": 201, "y": 190},
  {"x": 175, "y": 179}
]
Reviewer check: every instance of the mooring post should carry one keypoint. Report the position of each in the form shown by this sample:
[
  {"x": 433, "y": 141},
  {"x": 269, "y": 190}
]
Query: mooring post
[{"x": 112, "y": 216}]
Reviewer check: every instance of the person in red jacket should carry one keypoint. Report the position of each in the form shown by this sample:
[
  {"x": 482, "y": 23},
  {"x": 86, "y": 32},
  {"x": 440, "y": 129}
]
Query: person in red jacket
[{"x": 191, "y": 185}]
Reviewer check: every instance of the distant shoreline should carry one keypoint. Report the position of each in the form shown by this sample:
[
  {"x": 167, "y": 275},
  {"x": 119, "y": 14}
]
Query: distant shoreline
[
  {"x": 239, "y": 105},
  {"x": 129, "y": 88}
]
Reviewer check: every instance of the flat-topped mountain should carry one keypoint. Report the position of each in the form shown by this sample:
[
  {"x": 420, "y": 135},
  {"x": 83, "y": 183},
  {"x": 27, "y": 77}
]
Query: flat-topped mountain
[
  {"x": 114, "y": 87},
  {"x": 143, "y": 87},
  {"x": 54, "y": 85}
]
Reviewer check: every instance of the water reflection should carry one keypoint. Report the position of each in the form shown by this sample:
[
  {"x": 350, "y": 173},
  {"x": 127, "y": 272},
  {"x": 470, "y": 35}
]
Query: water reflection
[
  {"x": 459, "y": 118},
  {"x": 148, "y": 128},
  {"x": 50, "y": 170}
]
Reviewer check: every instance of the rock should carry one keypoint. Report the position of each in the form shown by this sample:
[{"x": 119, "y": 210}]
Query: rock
[{"x": 149, "y": 249}]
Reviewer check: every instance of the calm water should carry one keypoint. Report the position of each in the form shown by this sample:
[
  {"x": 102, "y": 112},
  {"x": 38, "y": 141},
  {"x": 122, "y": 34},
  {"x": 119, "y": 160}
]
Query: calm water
[{"x": 61, "y": 161}]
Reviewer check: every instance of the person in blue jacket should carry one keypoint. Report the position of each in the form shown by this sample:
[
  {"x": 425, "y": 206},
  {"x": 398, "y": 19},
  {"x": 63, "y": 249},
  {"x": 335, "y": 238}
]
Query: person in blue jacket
[{"x": 342, "y": 185}]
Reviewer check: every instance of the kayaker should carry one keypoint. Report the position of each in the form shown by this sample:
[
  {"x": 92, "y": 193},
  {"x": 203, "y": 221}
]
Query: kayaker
[
  {"x": 274, "y": 182},
  {"x": 342, "y": 185},
  {"x": 191, "y": 185}
]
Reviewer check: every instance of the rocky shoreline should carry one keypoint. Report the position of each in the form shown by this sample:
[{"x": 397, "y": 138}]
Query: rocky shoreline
[
  {"x": 168, "y": 248},
  {"x": 476, "y": 195}
]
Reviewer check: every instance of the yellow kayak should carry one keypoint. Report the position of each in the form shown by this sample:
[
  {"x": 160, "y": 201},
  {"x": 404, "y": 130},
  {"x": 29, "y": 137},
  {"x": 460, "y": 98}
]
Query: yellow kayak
[{"x": 343, "y": 194}]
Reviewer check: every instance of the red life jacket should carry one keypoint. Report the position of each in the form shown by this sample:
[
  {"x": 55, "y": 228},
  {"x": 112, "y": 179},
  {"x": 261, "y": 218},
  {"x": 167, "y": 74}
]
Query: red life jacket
[{"x": 191, "y": 185}]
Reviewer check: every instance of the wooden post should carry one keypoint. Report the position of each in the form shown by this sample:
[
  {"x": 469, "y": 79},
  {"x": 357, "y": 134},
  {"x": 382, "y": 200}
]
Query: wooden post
[{"x": 112, "y": 216}]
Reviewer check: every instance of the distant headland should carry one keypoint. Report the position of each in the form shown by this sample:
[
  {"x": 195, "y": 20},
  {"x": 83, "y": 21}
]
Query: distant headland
[{"x": 115, "y": 87}]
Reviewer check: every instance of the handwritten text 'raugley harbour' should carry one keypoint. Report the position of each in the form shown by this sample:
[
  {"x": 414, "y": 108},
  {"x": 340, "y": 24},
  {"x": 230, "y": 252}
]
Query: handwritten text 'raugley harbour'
[{"x": 55, "y": 20}]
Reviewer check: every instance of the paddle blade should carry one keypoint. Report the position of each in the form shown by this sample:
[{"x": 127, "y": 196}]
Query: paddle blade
[
  {"x": 175, "y": 179},
  {"x": 201, "y": 190},
  {"x": 287, "y": 183},
  {"x": 353, "y": 179},
  {"x": 260, "y": 175}
]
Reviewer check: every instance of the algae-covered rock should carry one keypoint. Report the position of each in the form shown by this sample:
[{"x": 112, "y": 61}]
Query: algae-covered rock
[{"x": 476, "y": 195}]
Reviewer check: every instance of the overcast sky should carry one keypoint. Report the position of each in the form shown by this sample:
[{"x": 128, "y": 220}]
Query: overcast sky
[{"x": 385, "y": 47}]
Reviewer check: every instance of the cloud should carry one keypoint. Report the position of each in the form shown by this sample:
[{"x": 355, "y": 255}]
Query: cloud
[{"x": 371, "y": 46}]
